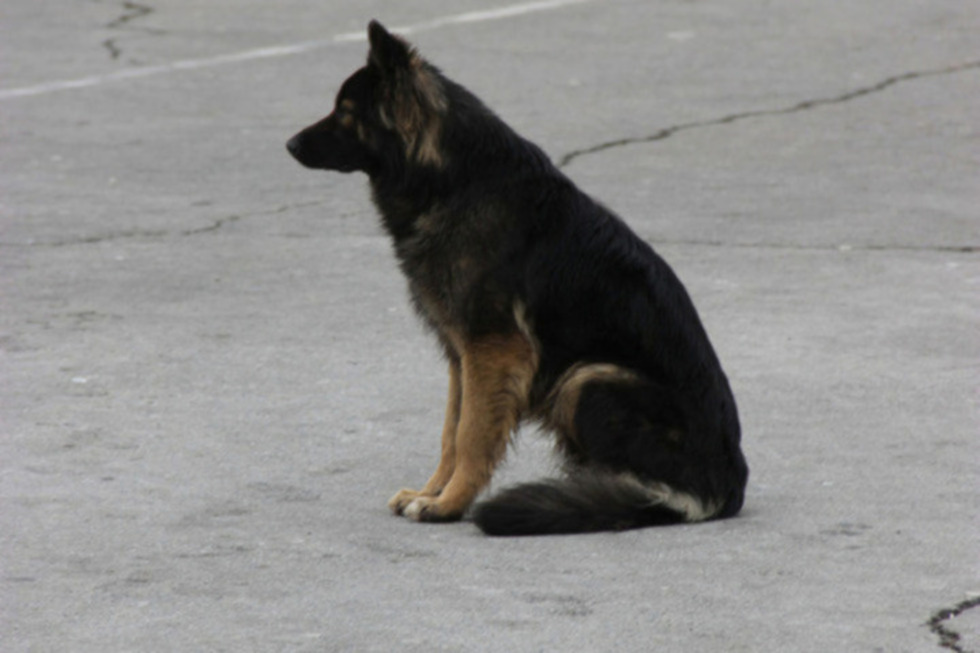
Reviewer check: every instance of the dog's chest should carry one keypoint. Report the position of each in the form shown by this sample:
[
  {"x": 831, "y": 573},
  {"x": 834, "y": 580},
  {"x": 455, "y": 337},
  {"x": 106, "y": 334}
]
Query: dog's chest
[
  {"x": 434, "y": 268},
  {"x": 453, "y": 261}
]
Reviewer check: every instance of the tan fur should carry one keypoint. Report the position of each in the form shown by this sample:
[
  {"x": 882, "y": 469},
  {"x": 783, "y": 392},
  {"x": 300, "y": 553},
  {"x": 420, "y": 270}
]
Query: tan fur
[
  {"x": 432, "y": 221},
  {"x": 431, "y": 103},
  {"x": 362, "y": 133},
  {"x": 417, "y": 103},
  {"x": 495, "y": 377},
  {"x": 447, "y": 458},
  {"x": 525, "y": 327},
  {"x": 562, "y": 403}
]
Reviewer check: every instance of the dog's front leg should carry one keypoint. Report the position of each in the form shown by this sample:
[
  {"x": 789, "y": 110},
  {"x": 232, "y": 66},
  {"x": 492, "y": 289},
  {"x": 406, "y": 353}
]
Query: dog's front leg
[
  {"x": 447, "y": 459},
  {"x": 496, "y": 375}
]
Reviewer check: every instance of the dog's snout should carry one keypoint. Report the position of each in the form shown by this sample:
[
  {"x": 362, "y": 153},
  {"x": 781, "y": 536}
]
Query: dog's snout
[{"x": 293, "y": 145}]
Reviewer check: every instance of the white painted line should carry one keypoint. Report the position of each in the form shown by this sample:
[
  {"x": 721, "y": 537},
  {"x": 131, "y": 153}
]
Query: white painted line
[
  {"x": 282, "y": 50},
  {"x": 489, "y": 14}
]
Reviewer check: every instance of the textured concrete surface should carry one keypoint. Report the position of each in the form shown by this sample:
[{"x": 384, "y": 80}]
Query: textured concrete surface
[{"x": 211, "y": 381}]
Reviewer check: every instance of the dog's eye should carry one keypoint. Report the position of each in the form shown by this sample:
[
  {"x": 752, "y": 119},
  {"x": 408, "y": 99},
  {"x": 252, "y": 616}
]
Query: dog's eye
[{"x": 345, "y": 117}]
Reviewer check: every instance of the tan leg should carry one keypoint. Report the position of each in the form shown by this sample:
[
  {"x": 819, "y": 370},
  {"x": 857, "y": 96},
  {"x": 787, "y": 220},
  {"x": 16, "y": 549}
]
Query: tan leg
[
  {"x": 496, "y": 376},
  {"x": 447, "y": 460}
]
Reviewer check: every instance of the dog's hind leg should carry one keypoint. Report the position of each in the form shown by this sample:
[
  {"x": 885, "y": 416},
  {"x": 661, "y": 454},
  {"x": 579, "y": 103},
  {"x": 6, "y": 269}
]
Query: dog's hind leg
[
  {"x": 447, "y": 458},
  {"x": 495, "y": 374},
  {"x": 632, "y": 461}
]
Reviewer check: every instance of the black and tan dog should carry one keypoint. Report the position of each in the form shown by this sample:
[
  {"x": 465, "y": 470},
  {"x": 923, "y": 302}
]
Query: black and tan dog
[{"x": 548, "y": 307}]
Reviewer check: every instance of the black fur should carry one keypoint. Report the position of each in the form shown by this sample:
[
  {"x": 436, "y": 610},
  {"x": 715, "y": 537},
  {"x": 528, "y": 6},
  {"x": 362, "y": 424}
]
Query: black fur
[
  {"x": 585, "y": 501},
  {"x": 482, "y": 221}
]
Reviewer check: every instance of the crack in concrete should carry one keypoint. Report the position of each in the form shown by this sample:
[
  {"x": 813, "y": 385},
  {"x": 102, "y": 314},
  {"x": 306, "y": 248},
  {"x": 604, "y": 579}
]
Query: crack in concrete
[
  {"x": 91, "y": 240},
  {"x": 949, "y": 638},
  {"x": 136, "y": 10},
  {"x": 843, "y": 247},
  {"x": 805, "y": 105},
  {"x": 216, "y": 225},
  {"x": 220, "y": 223},
  {"x": 131, "y": 11},
  {"x": 114, "y": 50},
  {"x": 130, "y": 234}
]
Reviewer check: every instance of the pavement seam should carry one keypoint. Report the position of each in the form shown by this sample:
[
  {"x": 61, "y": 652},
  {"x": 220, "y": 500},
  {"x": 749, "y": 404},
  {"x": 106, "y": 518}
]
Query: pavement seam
[
  {"x": 805, "y": 105},
  {"x": 949, "y": 638}
]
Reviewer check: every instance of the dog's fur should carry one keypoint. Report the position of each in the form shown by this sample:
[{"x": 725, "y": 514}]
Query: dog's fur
[{"x": 548, "y": 308}]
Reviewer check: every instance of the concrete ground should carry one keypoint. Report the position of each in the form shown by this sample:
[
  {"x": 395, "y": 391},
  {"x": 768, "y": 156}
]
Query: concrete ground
[{"x": 211, "y": 380}]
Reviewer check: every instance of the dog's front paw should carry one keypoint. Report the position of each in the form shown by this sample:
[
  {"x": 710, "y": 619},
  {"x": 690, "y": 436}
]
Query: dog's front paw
[
  {"x": 430, "y": 509},
  {"x": 402, "y": 499}
]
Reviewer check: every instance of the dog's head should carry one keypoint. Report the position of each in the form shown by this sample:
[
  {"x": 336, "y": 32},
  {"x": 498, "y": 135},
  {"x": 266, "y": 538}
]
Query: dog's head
[{"x": 388, "y": 111}]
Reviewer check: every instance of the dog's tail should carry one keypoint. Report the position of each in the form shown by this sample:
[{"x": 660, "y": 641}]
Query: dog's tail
[{"x": 588, "y": 501}]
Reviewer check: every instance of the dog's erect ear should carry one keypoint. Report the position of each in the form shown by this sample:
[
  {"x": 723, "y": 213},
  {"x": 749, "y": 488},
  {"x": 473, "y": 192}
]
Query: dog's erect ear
[
  {"x": 389, "y": 54},
  {"x": 410, "y": 94}
]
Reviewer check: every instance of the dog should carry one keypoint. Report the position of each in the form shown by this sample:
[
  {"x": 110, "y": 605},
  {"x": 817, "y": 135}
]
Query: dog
[{"x": 548, "y": 307}]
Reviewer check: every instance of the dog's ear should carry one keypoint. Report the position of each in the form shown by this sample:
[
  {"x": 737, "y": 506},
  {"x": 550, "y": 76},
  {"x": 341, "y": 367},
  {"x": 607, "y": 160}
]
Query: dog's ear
[
  {"x": 389, "y": 54},
  {"x": 410, "y": 94}
]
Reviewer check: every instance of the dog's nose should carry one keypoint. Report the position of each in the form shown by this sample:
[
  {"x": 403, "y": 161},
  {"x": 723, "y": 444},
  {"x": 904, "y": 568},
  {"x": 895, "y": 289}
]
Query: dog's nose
[{"x": 293, "y": 146}]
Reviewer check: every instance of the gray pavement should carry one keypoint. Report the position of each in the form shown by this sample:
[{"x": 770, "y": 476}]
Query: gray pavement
[{"x": 211, "y": 381}]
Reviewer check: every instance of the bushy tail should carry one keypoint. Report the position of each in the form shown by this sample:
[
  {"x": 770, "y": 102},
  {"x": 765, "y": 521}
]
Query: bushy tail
[{"x": 587, "y": 501}]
